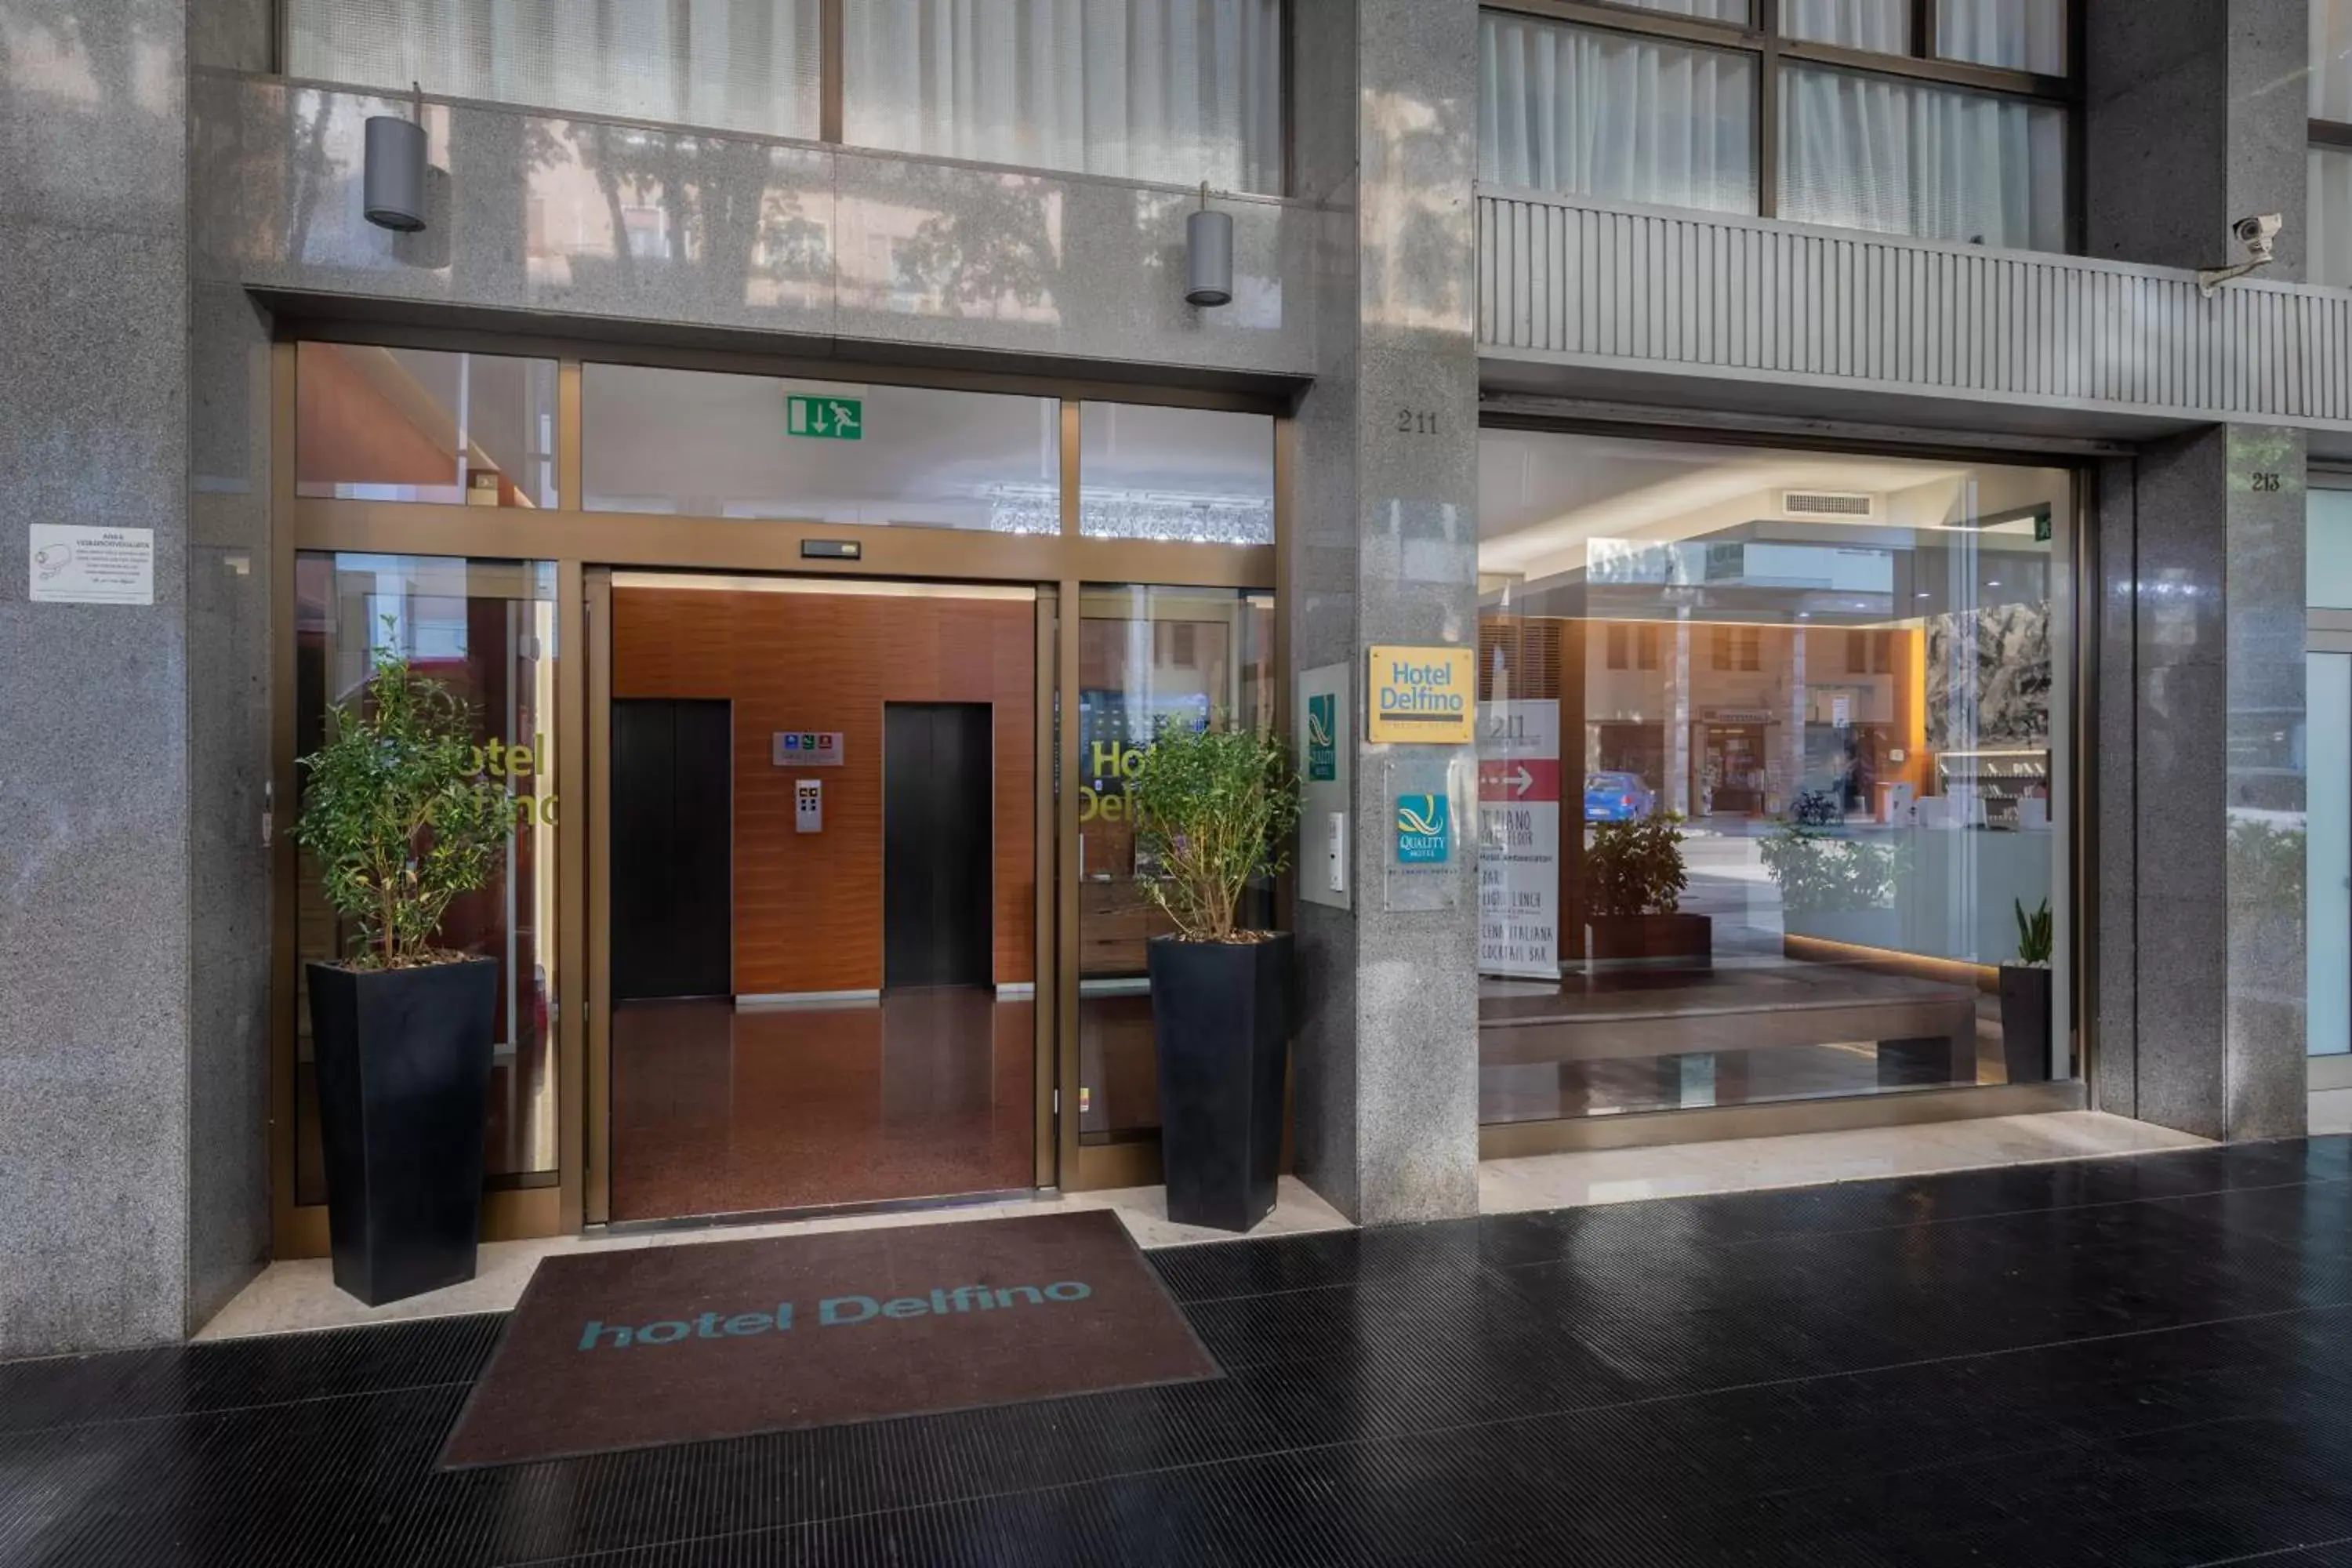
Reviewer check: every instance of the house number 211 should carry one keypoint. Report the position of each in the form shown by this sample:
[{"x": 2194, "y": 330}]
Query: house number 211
[{"x": 1416, "y": 421}]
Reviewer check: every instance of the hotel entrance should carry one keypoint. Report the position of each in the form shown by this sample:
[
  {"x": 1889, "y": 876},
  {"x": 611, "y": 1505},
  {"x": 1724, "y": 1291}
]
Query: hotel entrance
[
  {"x": 817, "y": 691},
  {"x": 821, "y": 840}
]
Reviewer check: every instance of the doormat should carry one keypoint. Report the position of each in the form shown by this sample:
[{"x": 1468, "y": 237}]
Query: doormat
[{"x": 642, "y": 1346}]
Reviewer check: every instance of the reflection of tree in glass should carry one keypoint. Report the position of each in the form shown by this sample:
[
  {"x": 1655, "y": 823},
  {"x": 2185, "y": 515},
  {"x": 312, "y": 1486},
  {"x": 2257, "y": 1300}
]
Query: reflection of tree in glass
[
  {"x": 1000, "y": 244},
  {"x": 718, "y": 202}
]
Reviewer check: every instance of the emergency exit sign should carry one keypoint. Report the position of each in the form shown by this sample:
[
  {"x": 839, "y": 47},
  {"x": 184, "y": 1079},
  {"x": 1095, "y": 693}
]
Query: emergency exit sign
[{"x": 824, "y": 418}]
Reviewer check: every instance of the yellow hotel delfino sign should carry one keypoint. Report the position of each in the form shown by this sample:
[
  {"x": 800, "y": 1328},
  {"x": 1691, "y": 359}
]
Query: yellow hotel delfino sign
[{"x": 1422, "y": 696}]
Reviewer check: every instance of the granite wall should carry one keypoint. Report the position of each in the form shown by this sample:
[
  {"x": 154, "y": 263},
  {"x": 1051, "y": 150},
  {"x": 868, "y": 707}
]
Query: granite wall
[
  {"x": 1383, "y": 549},
  {"x": 94, "y": 718}
]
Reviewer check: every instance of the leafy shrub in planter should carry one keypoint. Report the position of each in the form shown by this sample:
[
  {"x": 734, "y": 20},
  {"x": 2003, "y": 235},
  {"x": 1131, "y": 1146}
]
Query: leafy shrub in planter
[
  {"x": 1818, "y": 871},
  {"x": 1636, "y": 867},
  {"x": 393, "y": 811},
  {"x": 1214, "y": 811}
]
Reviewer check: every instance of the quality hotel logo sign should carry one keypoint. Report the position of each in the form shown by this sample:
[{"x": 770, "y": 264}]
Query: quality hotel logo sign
[{"x": 1420, "y": 696}]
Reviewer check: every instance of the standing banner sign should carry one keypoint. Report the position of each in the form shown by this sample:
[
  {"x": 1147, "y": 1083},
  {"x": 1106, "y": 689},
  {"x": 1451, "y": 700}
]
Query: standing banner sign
[{"x": 1519, "y": 838}]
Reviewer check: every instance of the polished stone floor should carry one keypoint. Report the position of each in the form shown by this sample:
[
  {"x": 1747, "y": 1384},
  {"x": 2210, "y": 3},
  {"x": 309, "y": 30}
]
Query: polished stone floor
[{"x": 2139, "y": 1359}]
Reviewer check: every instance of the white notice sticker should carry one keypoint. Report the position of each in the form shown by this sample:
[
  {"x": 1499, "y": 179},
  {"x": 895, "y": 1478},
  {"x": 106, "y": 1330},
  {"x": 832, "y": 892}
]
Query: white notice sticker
[{"x": 72, "y": 564}]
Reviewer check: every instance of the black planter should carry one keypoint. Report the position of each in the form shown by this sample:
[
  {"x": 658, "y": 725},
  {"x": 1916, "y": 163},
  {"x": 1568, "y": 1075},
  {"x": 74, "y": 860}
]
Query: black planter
[
  {"x": 2025, "y": 1022},
  {"x": 404, "y": 1068},
  {"x": 1222, "y": 1015},
  {"x": 1684, "y": 941}
]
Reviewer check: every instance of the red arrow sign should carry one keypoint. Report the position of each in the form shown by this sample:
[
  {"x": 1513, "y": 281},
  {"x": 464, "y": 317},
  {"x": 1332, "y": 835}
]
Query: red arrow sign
[{"x": 1529, "y": 781}]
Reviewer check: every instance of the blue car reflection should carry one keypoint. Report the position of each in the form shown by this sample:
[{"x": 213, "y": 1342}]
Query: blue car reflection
[{"x": 1617, "y": 797}]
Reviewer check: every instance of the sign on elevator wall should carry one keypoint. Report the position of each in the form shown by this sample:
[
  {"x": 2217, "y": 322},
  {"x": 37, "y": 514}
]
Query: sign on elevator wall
[
  {"x": 806, "y": 749},
  {"x": 1420, "y": 696},
  {"x": 824, "y": 418},
  {"x": 1519, "y": 838}
]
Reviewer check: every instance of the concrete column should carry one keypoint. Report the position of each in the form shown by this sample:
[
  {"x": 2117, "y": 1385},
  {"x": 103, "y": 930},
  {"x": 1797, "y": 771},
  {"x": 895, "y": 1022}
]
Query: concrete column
[
  {"x": 1383, "y": 549},
  {"x": 94, "y": 794},
  {"x": 2195, "y": 116},
  {"x": 2211, "y": 1037}
]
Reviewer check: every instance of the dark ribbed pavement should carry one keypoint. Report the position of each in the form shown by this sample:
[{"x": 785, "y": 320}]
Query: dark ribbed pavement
[{"x": 2128, "y": 1361}]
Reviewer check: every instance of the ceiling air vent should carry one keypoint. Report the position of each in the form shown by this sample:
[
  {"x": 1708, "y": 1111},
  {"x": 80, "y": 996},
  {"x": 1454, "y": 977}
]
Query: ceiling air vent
[{"x": 1847, "y": 505}]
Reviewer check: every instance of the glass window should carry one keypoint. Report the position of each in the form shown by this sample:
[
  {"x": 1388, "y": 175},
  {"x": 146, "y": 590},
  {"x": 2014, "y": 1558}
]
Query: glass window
[
  {"x": 737, "y": 65},
  {"x": 2016, "y": 35},
  {"x": 2328, "y": 553},
  {"x": 1734, "y": 11},
  {"x": 1856, "y": 728},
  {"x": 485, "y": 629},
  {"x": 2331, "y": 60},
  {"x": 702, "y": 443},
  {"x": 2327, "y": 776},
  {"x": 1883, "y": 27},
  {"x": 1147, "y": 657},
  {"x": 418, "y": 425},
  {"x": 1138, "y": 88},
  {"x": 2327, "y": 247},
  {"x": 1193, "y": 473},
  {"x": 1610, "y": 115},
  {"x": 1905, "y": 157}
]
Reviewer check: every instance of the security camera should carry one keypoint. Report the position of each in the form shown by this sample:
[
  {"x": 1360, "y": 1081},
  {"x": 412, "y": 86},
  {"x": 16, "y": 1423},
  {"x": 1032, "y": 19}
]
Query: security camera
[{"x": 2258, "y": 235}]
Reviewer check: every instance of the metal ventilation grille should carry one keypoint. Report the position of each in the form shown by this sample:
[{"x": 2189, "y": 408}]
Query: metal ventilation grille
[{"x": 1828, "y": 503}]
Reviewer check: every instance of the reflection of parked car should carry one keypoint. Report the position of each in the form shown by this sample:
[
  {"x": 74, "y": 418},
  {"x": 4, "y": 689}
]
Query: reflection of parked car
[{"x": 1617, "y": 797}]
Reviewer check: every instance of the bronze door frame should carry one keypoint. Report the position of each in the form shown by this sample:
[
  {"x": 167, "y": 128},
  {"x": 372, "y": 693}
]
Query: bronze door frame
[{"x": 586, "y": 547}]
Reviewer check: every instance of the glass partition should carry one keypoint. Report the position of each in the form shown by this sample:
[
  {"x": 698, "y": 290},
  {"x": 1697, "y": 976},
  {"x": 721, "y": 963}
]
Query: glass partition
[
  {"x": 1137, "y": 89},
  {"x": 1595, "y": 113},
  {"x": 1148, "y": 657},
  {"x": 1903, "y": 157},
  {"x": 737, "y": 65},
  {"x": 1186, "y": 474},
  {"x": 485, "y": 629},
  {"x": 707, "y": 444},
  {"x": 1774, "y": 778},
  {"x": 419, "y": 424}
]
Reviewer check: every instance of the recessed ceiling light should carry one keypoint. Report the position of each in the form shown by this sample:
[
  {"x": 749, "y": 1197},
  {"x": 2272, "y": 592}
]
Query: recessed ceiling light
[{"x": 1995, "y": 583}]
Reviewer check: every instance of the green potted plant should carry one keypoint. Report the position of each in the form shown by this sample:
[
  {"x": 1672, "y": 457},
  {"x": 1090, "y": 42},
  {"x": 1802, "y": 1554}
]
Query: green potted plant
[
  {"x": 1832, "y": 888},
  {"x": 400, "y": 824},
  {"x": 2025, "y": 998},
  {"x": 1214, "y": 811},
  {"x": 1633, "y": 881}
]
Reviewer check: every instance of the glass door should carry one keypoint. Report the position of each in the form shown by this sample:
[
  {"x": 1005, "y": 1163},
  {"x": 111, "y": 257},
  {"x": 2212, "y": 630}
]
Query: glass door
[
  {"x": 818, "y": 842},
  {"x": 1143, "y": 658}
]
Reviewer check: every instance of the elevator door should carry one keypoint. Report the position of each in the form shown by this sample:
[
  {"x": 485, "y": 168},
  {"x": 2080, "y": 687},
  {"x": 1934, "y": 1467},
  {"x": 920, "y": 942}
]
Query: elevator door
[
  {"x": 673, "y": 844},
  {"x": 938, "y": 804}
]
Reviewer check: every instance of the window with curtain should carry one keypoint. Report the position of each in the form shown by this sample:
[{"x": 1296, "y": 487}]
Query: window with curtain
[
  {"x": 1612, "y": 115},
  {"x": 1883, "y": 27},
  {"x": 1965, "y": 141},
  {"x": 1903, "y": 157},
  {"x": 737, "y": 65},
  {"x": 1174, "y": 91},
  {"x": 2015, "y": 35},
  {"x": 2327, "y": 246}
]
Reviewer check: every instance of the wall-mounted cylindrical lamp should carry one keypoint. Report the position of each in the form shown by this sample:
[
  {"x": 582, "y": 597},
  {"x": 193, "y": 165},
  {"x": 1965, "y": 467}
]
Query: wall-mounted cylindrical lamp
[
  {"x": 394, "y": 181},
  {"x": 1208, "y": 256}
]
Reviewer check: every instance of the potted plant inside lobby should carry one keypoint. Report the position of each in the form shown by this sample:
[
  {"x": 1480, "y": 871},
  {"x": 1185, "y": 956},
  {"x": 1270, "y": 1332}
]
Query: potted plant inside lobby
[
  {"x": 2025, "y": 998},
  {"x": 1214, "y": 811},
  {"x": 1633, "y": 879},
  {"x": 400, "y": 824}
]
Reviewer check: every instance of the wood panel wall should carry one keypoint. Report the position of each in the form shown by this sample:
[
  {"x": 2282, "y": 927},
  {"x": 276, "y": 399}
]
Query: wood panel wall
[{"x": 808, "y": 907}]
